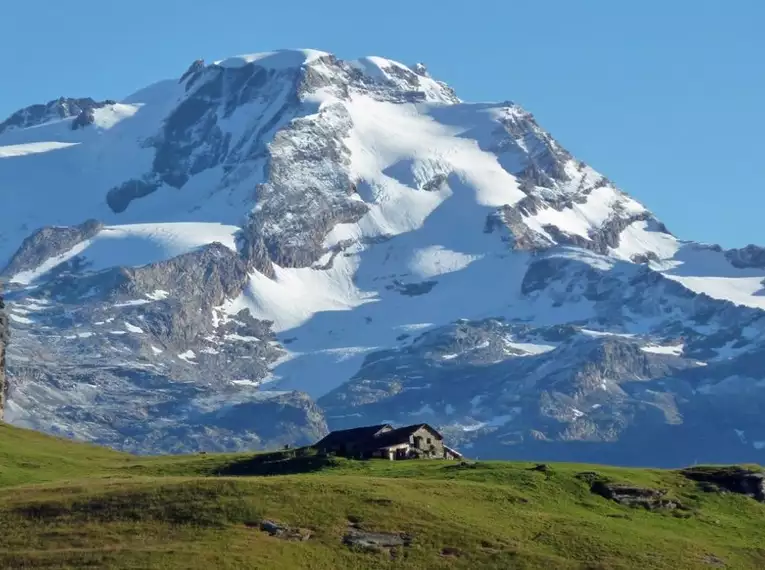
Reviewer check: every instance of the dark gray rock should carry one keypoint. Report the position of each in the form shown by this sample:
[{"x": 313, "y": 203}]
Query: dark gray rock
[
  {"x": 49, "y": 242},
  {"x": 412, "y": 289},
  {"x": 608, "y": 235},
  {"x": 746, "y": 257},
  {"x": 733, "y": 479},
  {"x": 375, "y": 540},
  {"x": 4, "y": 338},
  {"x": 119, "y": 198},
  {"x": 85, "y": 118},
  {"x": 197, "y": 66},
  {"x": 61, "y": 108},
  {"x": 285, "y": 532},
  {"x": 631, "y": 496},
  {"x": 152, "y": 359}
]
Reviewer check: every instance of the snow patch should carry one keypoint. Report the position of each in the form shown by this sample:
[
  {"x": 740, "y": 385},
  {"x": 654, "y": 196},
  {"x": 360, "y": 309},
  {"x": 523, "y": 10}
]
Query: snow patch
[
  {"x": 675, "y": 350},
  {"x": 12, "y": 151},
  {"x": 137, "y": 245},
  {"x": 133, "y": 328},
  {"x": 188, "y": 356},
  {"x": 279, "y": 59}
]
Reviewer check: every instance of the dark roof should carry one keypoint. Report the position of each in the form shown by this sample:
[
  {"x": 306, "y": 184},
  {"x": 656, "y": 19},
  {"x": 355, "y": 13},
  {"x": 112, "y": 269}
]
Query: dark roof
[
  {"x": 355, "y": 435},
  {"x": 400, "y": 435},
  {"x": 371, "y": 438}
]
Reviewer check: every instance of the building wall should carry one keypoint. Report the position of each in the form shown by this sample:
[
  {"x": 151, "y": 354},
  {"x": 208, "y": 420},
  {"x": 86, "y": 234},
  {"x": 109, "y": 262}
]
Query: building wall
[{"x": 424, "y": 440}]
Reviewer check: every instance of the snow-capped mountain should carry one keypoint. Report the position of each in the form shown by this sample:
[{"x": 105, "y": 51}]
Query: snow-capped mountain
[{"x": 275, "y": 242}]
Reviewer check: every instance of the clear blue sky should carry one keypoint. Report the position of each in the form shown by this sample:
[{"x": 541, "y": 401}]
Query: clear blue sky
[{"x": 664, "y": 97}]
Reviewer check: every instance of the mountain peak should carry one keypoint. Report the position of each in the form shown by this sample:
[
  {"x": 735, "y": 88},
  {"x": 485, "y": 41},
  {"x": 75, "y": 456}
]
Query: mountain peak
[
  {"x": 352, "y": 231},
  {"x": 278, "y": 59},
  {"x": 57, "y": 109}
]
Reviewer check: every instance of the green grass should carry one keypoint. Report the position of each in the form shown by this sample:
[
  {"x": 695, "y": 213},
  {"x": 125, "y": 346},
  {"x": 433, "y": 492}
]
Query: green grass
[{"x": 67, "y": 505}]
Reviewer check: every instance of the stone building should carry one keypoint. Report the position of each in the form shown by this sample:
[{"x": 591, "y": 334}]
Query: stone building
[{"x": 386, "y": 442}]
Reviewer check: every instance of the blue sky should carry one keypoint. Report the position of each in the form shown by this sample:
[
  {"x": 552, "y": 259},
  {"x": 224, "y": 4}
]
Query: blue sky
[{"x": 664, "y": 97}]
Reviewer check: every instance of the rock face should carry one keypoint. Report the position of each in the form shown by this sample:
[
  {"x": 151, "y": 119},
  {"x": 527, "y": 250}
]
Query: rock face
[
  {"x": 273, "y": 245},
  {"x": 61, "y": 108},
  {"x": 4, "y": 337}
]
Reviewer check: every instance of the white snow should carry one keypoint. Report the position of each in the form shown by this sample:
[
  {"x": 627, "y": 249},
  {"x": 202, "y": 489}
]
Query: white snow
[
  {"x": 529, "y": 348},
  {"x": 133, "y": 328},
  {"x": 107, "y": 117},
  {"x": 245, "y": 382},
  {"x": 241, "y": 338},
  {"x": 188, "y": 356},
  {"x": 704, "y": 270},
  {"x": 580, "y": 218},
  {"x": 279, "y": 59},
  {"x": 436, "y": 260},
  {"x": 747, "y": 291},
  {"x": 79, "y": 335},
  {"x": 158, "y": 295},
  {"x": 336, "y": 317},
  {"x": 136, "y": 245},
  {"x": 593, "y": 333},
  {"x": 675, "y": 350},
  {"x": 19, "y": 319},
  {"x": 497, "y": 421},
  {"x": 132, "y": 303},
  {"x": 32, "y": 148},
  {"x": 637, "y": 239}
]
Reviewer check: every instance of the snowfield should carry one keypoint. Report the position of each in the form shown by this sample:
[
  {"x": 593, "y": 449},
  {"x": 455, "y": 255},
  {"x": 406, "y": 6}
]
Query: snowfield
[
  {"x": 382, "y": 240},
  {"x": 136, "y": 245}
]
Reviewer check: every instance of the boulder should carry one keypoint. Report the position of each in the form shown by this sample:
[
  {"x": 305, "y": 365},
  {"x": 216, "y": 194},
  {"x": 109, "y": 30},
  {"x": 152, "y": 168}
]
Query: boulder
[
  {"x": 734, "y": 479},
  {"x": 375, "y": 540},
  {"x": 632, "y": 496},
  {"x": 280, "y": 530}
]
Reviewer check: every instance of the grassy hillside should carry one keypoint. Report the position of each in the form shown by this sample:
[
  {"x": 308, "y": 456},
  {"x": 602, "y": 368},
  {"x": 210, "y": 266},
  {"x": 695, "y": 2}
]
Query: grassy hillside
[{"x": 66, "y": 505}]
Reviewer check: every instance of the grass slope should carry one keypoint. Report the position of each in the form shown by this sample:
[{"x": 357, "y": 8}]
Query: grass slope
[{"x": 68, "y": 505}]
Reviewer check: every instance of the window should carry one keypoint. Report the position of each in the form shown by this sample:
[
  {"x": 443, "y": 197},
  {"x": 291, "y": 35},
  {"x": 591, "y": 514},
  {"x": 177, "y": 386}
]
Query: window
[{"x": 429, "y": 440}]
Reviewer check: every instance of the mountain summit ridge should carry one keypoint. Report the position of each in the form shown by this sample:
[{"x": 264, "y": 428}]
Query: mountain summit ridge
[{"x": 270, "y": 243}]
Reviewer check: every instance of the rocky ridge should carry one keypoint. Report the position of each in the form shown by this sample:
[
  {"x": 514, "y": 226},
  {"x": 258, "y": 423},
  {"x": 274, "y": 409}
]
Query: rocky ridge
[
  {"x": 4, "y": 337},
  {"x": 302, "y": 242}
]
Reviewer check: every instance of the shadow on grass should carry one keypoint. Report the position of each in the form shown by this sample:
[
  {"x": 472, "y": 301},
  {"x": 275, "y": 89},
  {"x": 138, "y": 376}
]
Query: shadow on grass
[{"x": 288, "y": 462}]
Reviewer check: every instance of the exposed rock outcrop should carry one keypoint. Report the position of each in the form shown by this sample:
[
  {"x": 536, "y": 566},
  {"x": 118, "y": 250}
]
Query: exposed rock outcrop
[
  {"x": 285, "y": 532},
  {"x": 746, "y": 257},
  {"x": 632, "y": 496},
  {"x": 47, "y": 243},
  {"x": 447, "y": 262},
  {"x": 375, "y": 541},
  {"x": 4, "y": 336},
  {"x": 61, "y": 108},
  {"x": 733, "y": 479}
]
